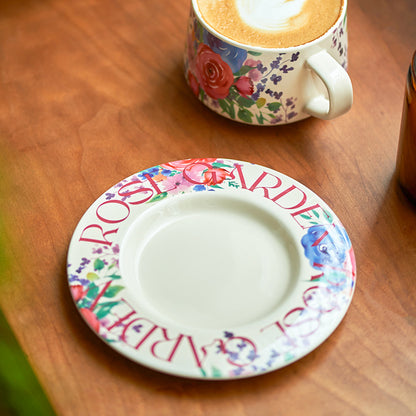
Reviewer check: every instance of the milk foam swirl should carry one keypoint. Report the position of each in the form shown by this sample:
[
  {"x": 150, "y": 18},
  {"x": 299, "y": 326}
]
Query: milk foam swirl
[{"x": 272, "y": 15}]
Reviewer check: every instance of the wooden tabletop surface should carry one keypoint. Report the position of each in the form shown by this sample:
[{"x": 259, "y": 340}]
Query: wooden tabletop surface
[{"x": 92, "y": 92}]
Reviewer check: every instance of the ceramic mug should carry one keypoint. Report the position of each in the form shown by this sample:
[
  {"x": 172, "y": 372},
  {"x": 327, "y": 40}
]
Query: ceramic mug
[{"x": 265, "y": 86}]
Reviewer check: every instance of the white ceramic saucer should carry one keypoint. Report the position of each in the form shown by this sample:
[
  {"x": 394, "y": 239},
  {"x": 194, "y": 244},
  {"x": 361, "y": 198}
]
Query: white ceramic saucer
[{"x": 211, "y": 268}]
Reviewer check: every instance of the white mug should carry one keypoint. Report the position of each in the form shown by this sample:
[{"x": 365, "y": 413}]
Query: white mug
[{"x": 268, "y": 86}]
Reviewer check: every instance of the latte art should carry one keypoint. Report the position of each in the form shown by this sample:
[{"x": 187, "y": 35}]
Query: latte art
[
  {"x": 271, "y": 23},
  {"x": 269, "y": 14}
]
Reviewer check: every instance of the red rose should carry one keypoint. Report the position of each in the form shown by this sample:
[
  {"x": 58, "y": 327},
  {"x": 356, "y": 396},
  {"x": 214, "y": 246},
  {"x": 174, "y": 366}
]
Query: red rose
[
  {"x": 215, "y": 176},
  {"x": 245, "y": 86},
  {"x": 193, "y": 83},
  {"x": 214, "y": 75},
  {"x": 90, "y": 317}
]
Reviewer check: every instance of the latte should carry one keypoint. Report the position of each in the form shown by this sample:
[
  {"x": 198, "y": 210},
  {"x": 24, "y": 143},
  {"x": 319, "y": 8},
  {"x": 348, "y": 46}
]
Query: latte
[{"x": 271, "y": 23}]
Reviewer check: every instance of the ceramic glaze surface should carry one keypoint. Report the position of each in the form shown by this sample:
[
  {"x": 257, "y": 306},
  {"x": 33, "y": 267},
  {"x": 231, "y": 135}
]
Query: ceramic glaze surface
[{"x": 211, "y": 268}]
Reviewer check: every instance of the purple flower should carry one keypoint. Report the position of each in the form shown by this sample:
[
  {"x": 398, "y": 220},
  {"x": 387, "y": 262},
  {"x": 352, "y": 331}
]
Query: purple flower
[
  {"x": 285, "y": 69},
  {"x": 238, "y": 371},
  {"x": 252, "y": 355},
  {"x": 137, "y": 328},
  {"x": 276, "y": 78},
  {"x": 294, "y": 57},
  {"x": 275, "y": 64},
  {"x": 261, "y": 68}
]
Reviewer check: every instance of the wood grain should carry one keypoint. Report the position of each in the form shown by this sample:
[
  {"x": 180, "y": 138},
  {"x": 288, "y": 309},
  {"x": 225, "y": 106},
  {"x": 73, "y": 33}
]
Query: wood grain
[{"x": 93, "y": 91}]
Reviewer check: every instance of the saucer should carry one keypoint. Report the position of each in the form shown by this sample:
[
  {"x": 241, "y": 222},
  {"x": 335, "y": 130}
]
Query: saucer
[{"x": 211, "y": 268}]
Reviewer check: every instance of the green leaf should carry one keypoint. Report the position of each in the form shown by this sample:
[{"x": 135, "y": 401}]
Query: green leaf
[
  {"x": 113, "y": 291},
  {"x": 243, "y": 70},
  {"x": 330, "y": 217},
  {"x": 92, "y": 291},
  {"x": 114, "y": 276},
  {"x": 228, "y": 107},
  {"x": 220, "y": 165},
  {"x": 315, "y": 213},
  {"x": 254, "y": 53},
  {"x": 245, "y": 115},
  {"x": 307, "y": 217},
  {"x": 216, "y": 373},
  {"x": 260, "y": 102},
  {"x": 92, "y": 276},
  {"x": 245, "y": 102},
  {"x": 159, "y": 197},
  {"x": 260, "y": 118},
  {"x": 98, "y": 264},
  {"x": 203, "y": 372},
  {"x": 274, "y": 106},
  {"x": 103, "y": 309}
]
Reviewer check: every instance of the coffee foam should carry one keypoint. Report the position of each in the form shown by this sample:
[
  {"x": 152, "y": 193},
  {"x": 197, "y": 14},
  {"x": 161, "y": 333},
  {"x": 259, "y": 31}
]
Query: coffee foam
[
  {"x": 274, "y": 15},
  {"x": 271, "y": 23}
]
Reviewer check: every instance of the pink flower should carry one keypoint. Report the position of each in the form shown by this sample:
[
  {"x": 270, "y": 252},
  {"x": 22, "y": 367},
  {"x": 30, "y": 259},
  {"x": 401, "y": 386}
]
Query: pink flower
[
  {"x": 78, "y": 292},
  {"x": 213, "y": 74},
  {"x": 254, "y": 74},
  {"x": 91, "y": 319},
  {"x": 176, "y": 184},
  {"x": 245, "y": 86}
]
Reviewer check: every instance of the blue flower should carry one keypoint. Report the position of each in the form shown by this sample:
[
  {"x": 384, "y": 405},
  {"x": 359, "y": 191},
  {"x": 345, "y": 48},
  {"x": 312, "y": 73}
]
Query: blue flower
[
  {"x": 326, "y": 245},
  {"x": 199, "y": 188},
  {"x": 149, "y": 172},
  {"x": 233, "y": 56}
]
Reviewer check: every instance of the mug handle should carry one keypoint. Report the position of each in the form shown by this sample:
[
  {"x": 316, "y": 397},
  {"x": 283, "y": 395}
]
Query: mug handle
[{"x": 336, "y": 81}]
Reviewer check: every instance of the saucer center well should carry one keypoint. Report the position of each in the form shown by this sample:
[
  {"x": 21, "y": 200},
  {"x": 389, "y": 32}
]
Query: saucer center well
[{"x": 212, "y": 261}]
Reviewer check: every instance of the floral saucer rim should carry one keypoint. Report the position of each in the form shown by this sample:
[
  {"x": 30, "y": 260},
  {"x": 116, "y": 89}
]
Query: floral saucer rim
[{"x": 102, "y": 295}]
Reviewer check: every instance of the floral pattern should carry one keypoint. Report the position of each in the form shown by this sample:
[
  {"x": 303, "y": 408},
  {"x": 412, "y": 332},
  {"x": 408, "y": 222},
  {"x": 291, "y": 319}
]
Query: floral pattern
[
  {"x": 247, "y": 86},
  {"x": 235, "y": 81},
  {"x": 98, "y": 289}
]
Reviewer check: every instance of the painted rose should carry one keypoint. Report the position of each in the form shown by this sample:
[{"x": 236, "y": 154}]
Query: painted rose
[
  {"x": 214, "y": 176},
  {"x": 214, "y": 75},
  {"x": 244, "y": 86},
  {"x": 326, "y": 246},
  {"x": 78, "y": 292},
  {"x": 193, "y": 83},
  {"x": 91, "y": 319},
  {"x": 230, "y": 54},
  {"x": 182, "y": 164}
]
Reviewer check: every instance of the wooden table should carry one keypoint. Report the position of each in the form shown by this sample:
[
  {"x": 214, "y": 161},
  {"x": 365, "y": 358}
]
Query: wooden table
[{"x": 93, "y": 91}]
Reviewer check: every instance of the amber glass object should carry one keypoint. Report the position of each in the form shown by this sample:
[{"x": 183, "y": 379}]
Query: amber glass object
[{"x": 406, "y": 155}]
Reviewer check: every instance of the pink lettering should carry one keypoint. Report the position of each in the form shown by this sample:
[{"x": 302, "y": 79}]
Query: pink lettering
[
  {"x": 116, "y": 220},
  {"x": 289, "y": 191},
  {"x": 239, "y": 170},
  {"x": 265, "y": 188},
  {"x": 99, "y": 239}
]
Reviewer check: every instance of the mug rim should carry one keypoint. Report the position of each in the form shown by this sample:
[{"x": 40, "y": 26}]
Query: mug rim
[{"x": 263, "y": 49}]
